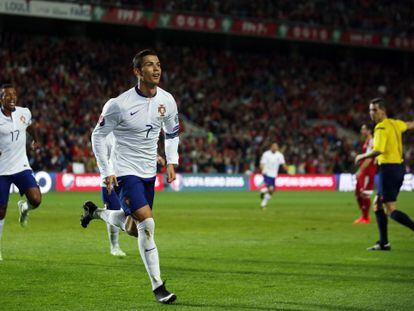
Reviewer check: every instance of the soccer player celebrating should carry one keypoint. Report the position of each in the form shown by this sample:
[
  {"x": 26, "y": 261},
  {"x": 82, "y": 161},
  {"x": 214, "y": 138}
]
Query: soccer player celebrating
[
  {"x": 269, "y": 165},
  {"x": 365, "y": 177},
  {"x": 388, "y": 149},
  {"x": 136, "y": 118},
  {"x": 111, "y": 202},
  {"x": 14, "y": 165}
]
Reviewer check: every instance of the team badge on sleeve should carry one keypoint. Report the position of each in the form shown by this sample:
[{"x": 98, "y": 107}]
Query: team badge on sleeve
[{"x": 101, "y": 120}]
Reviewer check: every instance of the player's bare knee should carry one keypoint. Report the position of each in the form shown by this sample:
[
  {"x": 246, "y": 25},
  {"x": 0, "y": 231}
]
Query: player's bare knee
[
  {"x": 34, "y": 197},
  {"x": 142, "y": 213}
]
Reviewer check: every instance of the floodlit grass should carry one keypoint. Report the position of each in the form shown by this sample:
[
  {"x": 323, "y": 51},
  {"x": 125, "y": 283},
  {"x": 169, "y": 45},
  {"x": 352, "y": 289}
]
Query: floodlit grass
[{"x": 218, "y": 251}]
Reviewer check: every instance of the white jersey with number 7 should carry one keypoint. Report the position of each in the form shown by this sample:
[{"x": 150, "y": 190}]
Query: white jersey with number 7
[{"x": 136, "y": 122}]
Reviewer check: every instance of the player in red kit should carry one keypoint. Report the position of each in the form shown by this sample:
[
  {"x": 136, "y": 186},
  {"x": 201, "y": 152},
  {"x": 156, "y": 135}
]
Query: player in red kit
[{"x": 365, "y": 178}]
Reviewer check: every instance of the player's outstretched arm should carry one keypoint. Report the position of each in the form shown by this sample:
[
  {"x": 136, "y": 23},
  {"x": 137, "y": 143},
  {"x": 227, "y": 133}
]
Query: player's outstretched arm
[
  {"x": 32, "y": 130},
  {"x": 410, "y": 125},
  {"x": 161, "y": 160},
  {"x": 262, "y": 163},
  {"x": 109, "y": 118},
  {"x": 380, "y": 141},
  {"x": 363, "y": 156},
  {"x": 172, "y": 131}
]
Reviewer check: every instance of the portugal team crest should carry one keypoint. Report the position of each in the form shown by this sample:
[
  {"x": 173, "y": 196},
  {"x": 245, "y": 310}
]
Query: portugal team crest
[
  {"x": 101, "y": 120},
  {"x": 162, "y": 110}
]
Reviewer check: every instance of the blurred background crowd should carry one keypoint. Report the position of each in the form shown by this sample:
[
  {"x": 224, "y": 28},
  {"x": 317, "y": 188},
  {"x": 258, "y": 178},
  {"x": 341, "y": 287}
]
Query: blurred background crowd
[
  {"x": 392, "y": 17},
  {"x": 233, "y": 102}
]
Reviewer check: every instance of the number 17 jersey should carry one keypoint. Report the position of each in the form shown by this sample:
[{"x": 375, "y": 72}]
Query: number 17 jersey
[{"x": 13, "y": 157}]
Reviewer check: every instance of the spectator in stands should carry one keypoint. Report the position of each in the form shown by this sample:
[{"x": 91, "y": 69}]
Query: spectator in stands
[{"x": 313, "y": 105}]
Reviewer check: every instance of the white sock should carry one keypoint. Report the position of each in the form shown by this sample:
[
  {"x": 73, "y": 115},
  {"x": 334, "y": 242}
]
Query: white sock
[
  {"x": 113, "y": 234},
  {"x": 115, "y": 218},
  {"x": 148, "y": 251},
  {"x": 25, "y": 206},
  {"x": 265, "y": 200}
]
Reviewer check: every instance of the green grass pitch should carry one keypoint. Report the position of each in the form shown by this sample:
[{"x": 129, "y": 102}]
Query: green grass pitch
[{"x": 218, "y": 251}]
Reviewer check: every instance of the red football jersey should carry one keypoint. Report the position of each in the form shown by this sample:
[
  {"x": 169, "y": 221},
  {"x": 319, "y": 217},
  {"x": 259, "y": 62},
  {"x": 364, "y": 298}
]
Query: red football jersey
[{"x": 367, "y": 147}]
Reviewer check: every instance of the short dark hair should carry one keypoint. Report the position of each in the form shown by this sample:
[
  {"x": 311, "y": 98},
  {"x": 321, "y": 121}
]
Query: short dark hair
[
  {"x": 380, "y": 102},
  {"x": 137, "y": 61},
  {"x": 5, "y": 86}
]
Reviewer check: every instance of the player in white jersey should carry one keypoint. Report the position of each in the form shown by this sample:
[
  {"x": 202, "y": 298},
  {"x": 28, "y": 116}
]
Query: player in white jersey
[
  {"x": 269, "y": 165},
  {"x": 136, "y": 118},
  {"x": 14, "y": 165},
  {"x": 111, "y": 202}
]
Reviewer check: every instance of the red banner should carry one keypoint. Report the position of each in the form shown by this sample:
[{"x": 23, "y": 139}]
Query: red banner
[
  {"x": 361, "y": 38},
  {"x": 193, "y": 22},
  {"x": 297, "y": 182},
  {"x": 253, "y": 28},
  {"x": 402, "y": 43},
  {"x": 225, "y": 24},
  {"x": 132, "y": 17},
  {"x": 308, "y": 33},
  {"x": 89, "y": 182}
]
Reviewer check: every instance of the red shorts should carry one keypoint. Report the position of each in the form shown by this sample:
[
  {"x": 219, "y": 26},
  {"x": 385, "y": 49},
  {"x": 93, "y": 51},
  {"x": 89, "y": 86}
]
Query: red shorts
[{"x": 365, "y": 184}]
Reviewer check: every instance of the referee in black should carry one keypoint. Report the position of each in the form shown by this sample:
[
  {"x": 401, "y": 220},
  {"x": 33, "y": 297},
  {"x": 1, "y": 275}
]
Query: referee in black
[{"x": 388, "y": 149}]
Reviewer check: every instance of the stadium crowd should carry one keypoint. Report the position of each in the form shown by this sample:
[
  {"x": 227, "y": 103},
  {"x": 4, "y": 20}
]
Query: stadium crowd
[
  {"x": 392, "y": 17},
  {"x": 240, "y": 100}
]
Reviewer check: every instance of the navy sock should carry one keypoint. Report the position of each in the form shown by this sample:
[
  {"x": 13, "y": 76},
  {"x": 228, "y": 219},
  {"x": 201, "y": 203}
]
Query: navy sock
[
  {"x": 382, "y": 222},
  {"x": 403, "y": 219}
]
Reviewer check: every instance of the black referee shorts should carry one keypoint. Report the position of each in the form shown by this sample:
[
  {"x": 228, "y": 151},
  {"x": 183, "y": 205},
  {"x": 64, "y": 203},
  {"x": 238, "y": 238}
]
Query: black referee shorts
[{"x": 391, "y": 177}]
